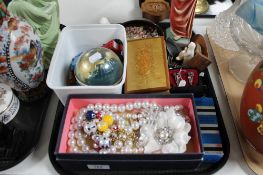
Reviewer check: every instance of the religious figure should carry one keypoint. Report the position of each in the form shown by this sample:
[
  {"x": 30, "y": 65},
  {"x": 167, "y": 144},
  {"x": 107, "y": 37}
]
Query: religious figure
[{"x": 181, "y": 20}]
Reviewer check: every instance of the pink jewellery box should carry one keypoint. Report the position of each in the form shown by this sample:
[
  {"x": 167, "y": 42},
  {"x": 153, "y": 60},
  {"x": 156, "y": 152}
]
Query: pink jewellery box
[{"x": 79, "y": 162}]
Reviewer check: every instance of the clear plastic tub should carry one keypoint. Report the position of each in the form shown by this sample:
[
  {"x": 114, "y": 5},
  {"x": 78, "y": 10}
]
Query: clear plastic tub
[{"x": 76, "y": 39}]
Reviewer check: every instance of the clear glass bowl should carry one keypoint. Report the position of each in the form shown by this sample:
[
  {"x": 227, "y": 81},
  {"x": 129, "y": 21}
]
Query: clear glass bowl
[
  {"x": 219, "y": 31},
  {"x": 246, "y": 37}
]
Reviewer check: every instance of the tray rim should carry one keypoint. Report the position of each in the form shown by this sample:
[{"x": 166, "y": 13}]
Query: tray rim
[
  {"x": 214, "y": 168},
  {"x": 38, "y": 127}
]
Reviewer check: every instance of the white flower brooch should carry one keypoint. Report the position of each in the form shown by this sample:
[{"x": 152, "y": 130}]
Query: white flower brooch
[{"x": 167, "y": 134}]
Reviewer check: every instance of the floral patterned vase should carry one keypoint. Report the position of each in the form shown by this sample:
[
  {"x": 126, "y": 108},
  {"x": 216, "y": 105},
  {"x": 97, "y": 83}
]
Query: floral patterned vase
[
  {"x": 251, "y": 109},
  {"x": 21, "y": 64}
]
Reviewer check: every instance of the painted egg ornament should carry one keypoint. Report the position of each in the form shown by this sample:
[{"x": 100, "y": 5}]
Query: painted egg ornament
[
  {"x": 251, "y": 113},
  {"x": 90, "y": 128},
  {"x": 108, "y": 119},
  {"x": 21, "y": 64},
  {"x": 90, "y": 115},
  {"x": 104, "y": 142},
  {"x": 98, "y": 67},
  {"x": 103, "y": 126}
]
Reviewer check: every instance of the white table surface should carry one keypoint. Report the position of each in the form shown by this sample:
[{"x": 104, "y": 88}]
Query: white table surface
[{"x": 75, "y": 12}]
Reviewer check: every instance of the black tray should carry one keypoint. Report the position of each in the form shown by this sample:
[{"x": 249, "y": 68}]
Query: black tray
[
  {"x": 21, "y": 135},
  {"x": 207, "y": 90},
  {"x": 205, "y": 168}
]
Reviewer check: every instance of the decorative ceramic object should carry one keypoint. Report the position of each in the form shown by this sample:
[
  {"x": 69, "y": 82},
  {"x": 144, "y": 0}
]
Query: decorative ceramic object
[
  {"x": 155, "y": 10},
  {"x": 251, "y": 109},
  {"x": 9, "y": 104},
  {"x": 200, "y": 60},
  {"x": 21, "y": 65},
  {"x": 188, "y": 52},
  {"x": 181, "y": 19},
  {"x": 99, "y": 67},
  {"x": 43, "y": 16}
]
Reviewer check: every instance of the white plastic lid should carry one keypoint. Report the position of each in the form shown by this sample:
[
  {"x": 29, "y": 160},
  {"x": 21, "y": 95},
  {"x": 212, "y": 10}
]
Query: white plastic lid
[{"x": 6, "y": 95}]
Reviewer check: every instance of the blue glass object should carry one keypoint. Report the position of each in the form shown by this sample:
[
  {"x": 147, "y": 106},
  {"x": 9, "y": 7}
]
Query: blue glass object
[{"x": 252, "y": 12}]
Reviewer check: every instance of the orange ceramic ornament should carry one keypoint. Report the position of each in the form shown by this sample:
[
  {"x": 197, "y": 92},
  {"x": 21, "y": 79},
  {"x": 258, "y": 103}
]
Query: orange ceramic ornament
[{"x": 251, "y": 109}]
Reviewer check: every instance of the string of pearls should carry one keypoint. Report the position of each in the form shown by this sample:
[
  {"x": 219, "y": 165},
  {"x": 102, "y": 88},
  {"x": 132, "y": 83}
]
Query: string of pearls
[{"x": 105, "y": 128}]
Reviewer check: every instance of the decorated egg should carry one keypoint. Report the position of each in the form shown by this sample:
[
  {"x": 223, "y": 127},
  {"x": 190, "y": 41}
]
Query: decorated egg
[
  {"x": 104, "y": 142},
  {"x": 21, "y": 65},
  {"x": 90, "y": 128},
  {"x": 251, "y": 113},
  {"x": 90, "y": 115},
  {"x": 98, "y": 67}
]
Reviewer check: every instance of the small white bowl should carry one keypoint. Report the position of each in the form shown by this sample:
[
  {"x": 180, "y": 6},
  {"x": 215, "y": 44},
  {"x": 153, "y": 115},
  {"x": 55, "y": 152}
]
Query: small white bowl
[{"x": 76, "y": 39}]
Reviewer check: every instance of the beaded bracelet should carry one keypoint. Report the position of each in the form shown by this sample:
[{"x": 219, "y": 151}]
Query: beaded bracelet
[{"x": 139, "y": 127}]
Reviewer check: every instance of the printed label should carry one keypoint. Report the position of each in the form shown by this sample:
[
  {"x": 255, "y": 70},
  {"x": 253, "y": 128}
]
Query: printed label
[
  {"x": 99, "y": 167},
  {"x": 95, "y": 57}
]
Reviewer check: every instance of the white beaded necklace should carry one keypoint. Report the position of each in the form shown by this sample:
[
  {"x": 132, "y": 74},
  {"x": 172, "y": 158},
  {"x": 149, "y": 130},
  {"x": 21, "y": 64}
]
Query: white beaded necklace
[{"x": 128, "y": 119}]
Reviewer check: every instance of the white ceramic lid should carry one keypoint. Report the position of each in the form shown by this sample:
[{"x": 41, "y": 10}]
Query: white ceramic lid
[{"x": 6, "y": 95}]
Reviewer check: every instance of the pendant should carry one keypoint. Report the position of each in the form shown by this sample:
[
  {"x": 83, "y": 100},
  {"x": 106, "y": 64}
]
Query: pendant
[{"x": 163, "y": 135}]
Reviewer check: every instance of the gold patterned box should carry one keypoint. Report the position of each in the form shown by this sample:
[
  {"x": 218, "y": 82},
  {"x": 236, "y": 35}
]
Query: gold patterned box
[{"x": 147, "y": 69}]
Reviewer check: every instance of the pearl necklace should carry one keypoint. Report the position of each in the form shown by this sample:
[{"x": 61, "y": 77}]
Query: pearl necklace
[{"x": 105, "y": 128}]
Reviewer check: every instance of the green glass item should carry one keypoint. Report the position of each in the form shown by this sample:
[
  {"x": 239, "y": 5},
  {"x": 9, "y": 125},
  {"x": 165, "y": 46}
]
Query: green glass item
[{"x": 43, "y": 16}]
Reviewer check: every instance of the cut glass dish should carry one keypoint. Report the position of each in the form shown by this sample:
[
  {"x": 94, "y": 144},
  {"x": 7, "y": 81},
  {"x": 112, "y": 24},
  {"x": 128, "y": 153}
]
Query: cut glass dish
[{"x": 249, "y": 41}]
